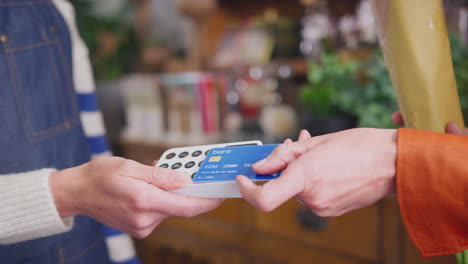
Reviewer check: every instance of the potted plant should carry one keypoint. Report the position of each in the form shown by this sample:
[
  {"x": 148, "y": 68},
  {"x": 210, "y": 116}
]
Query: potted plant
[
  {"x": 323, "y": 97},
  {"x": 375, "y": 100},
  {"x": 342, "y": 95},
  {"x": 363, "y": 90}
]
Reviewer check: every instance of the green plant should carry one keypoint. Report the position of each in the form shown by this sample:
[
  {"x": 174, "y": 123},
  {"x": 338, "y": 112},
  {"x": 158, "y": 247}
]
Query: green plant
[
  {"x": 111, "y": 41},
  {"x": 462, "y": 257},
  {"x": 335, "y": 89},
  {"x": 460, "y": 66},
  {"x": 362, "y": 90},
  {"x": 329, "y": 83},
  {"x": 376, "y": 100}
]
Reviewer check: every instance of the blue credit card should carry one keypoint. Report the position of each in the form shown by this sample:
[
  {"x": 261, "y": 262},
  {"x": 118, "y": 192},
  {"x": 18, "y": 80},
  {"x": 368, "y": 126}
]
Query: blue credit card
[{"x": 224, "y": 164}]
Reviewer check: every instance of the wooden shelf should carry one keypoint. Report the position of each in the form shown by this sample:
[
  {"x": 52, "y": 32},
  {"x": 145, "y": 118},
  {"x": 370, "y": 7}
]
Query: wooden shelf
[{"x": 298, "y": 66}]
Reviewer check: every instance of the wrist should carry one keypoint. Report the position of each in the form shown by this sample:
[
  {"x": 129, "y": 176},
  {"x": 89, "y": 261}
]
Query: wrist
[
  {"x": 62, "y": 187},
  {"x": 389, "y": 159}
]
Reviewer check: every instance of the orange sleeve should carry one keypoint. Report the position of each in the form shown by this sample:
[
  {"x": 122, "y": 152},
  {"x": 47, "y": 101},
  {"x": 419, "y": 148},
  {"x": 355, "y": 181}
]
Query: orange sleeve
[{"x": 432, "y": 187}]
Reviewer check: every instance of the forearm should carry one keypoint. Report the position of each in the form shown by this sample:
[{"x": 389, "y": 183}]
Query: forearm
[
  {"x": 27, "y": 209},
  {"x": 432, "y": 184}
]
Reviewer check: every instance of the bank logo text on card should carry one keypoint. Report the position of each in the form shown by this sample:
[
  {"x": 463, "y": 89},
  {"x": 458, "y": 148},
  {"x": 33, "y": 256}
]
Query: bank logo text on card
[{"x": 224, "y": 164}]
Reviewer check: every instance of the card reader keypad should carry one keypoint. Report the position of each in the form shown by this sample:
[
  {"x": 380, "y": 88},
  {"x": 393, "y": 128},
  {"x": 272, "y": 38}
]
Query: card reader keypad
[{"x": 190, "y": 159}]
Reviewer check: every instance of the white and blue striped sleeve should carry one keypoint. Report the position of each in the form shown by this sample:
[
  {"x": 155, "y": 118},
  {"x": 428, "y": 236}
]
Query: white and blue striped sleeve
[{"x": 120, "y": 245}]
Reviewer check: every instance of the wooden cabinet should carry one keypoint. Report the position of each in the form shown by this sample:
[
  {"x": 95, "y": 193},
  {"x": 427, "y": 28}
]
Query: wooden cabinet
[
  {"x": 294, "y": 252},
  {"x": 411, "y": 255},
  {"x": 172, "y": 247},
  {"x": 238, "y": 233},
  {"x": 338, "y": 234}
]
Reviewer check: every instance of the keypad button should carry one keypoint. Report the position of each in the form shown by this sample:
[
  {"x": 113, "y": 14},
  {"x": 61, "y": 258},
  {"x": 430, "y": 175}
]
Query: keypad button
[
  {"x": 183, "y": 154},
  {"x": 200, "y": 163},
  {"x": 165, "y": 165},
  {"x": 197, "y": 153},
  {"x": 193, "y": 175},
  {"x": 206, "y": 152},
  {"x": 170, "y": 155},
  {"x": 177, "y": 165},
  {"x": 189, "y": 165}
]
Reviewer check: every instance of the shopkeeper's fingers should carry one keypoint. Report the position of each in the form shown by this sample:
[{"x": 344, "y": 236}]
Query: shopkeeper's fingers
[
  {"x": 397, "y": 118},
  {"x": 453, "y": 128},
  {"x": 162, "y": 178}
]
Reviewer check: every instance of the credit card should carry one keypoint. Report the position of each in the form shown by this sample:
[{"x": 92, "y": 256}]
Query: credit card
[{"x": 224, "y": 164}]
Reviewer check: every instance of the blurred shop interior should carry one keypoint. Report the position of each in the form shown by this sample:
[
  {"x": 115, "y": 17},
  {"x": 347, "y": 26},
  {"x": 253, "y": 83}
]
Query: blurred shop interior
[{"x": 172, "y": 73}]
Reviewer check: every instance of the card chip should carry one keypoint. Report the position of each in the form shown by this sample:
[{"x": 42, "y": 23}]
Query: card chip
[{"x": 214, "y": 159}]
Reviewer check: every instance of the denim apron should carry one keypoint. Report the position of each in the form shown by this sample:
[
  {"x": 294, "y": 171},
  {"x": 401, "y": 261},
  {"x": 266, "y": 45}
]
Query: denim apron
[{"x": 39, "y": 121}]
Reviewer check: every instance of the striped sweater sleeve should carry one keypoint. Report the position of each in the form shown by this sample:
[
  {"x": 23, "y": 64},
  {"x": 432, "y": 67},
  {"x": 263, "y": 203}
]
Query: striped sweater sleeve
[{"x": 120, "y": 245}]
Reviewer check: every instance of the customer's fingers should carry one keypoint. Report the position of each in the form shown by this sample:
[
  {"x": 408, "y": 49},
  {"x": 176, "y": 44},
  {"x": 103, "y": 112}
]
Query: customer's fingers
[
  {"x": 273, "y": 193},
  {"x": 279, "y": 158},
  {"x": 453, "y": 128},
  {"x": 304, "y": 135},
  {"x": 286, "y": 153},
  {"x": 397, "y": 118}
]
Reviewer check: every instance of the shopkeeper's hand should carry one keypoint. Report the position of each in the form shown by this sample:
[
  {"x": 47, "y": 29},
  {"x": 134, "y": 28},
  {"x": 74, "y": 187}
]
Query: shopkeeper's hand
[
  {"x": 331, "y": 174},
  {"x": 450, "y": 128},
  {"x": 124, "y": 194}
]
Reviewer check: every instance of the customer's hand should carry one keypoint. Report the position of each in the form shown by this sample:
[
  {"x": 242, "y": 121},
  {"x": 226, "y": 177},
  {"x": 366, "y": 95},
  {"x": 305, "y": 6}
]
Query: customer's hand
[
  {"x": 331, "y": 174},
  {"x": 124, "y": 194},
  {"x": 450, "y": 128}
]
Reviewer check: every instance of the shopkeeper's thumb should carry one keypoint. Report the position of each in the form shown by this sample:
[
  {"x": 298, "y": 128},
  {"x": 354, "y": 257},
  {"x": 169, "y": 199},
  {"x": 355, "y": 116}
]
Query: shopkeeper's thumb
[{"x": 166, "y": 179}]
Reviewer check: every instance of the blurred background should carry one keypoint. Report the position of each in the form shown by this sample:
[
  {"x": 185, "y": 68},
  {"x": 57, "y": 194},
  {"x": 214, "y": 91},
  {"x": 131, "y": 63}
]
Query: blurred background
[{"x": 173, "y": 73}]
